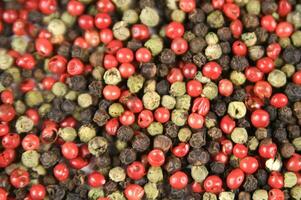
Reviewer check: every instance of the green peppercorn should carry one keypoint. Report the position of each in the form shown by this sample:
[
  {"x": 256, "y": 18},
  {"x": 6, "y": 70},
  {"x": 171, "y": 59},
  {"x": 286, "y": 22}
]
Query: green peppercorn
[
  {"x": 116, "y": 109},
  {"x": 117, "y": 195},
  {"x": 151, "y": 100},
  {"x": 68, "y": 134},
  {"x": 284, "y": 42},
  {"x": 297, "y": 143},
  {"x": 30, "y": 158},
  {"x": 150, "y": 86},
  {"x": 151, "y": 191},
  {"x": 6, "y": 61},
  {"x": 179, "y": 117},
  {"x": 277, "y": 78},
  {"x": 117, "y": 174},
  {"x": 203, "y": 79},
  {"x": 15, "y": 72},
  {"x": 294, "y": 18},
  {"x": 172, "y": 4},
  {"x": 86, "y": 133},
  {"x": 296, "y": 38},
  {"x": 215, "y": 19},
  {"x": 155, "y": 128},
  {"x": 273, "y": 164},
  {"x": 288, "y": 69},
  {"x": 18, "y": 44},
  {"x": 95, "y": 193},
  {"x": 237, "y": 78},
  {"x": 253, "y": 143},
  {"x": 40, "y": 170},
  {"x": 24, "y": 124},
  {"x": 296, "y": 192},
  {"x": 290, "y": 179},
  {"x": 184, "y": 134},
  {"x": 209, "y": 196},
  {"x": 199, "y": 173},
  {"x": 44, "y": 109},
  {"x": 256, "y": 52},
  {"x": 20, "y": 107},
  {"x": 183, "y": 102},
  {"x": 210, "y": 90},
  {"x": 121, "y": 31},
  {"x": 112, "y": 76},
  {"x": 98, "y": 145},
  {"x": 71, "y": 95},
  {"x": 155, "y": 45},
  {"x": 59, "y": 89},
  {"x": 149, "y": 16},
  {"x": 226, "y": 196},
  {"x": 84, "y": 100},
  {"x": 68, "y": 19},
  {"x": 123, "y": 4},
  {"x": 168, "y": 102},
  {"x": 211, "y": 38},
  {"x": 237, "y": 109},
  {"x": 130, "y": 16},
  {"x": 98, "y": 72},
  {"x": 253, "y": 7},
  {"x": 177, "y": 89},
  {"x": 48, "y": 96},
  {"x": 56, "y": 27},
  {"x": 213, "y": 52},
  {"x": 178, "y": 15},
  {"x": 155, "y": 174},
  {"x": 249, "y": 38},
  {"x": 135, "y": 83},
  {"x": 239, "y": 135},
  {"x": 120, "y": 145},
  {"x": 260, "y": 195}
]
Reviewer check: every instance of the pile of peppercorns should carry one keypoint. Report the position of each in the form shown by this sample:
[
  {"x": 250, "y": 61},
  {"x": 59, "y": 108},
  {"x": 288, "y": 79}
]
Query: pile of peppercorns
[{"x": 150, "y": 99}]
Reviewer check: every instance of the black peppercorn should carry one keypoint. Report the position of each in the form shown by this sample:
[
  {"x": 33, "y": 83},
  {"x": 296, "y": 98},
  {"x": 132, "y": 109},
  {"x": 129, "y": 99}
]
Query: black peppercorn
[
  {"x": 80, "y": 53},
  {"x": 148, "y": 70},
  {"x": 6, "y": 79},
  {"x": 141, "y": 142},
  {"x": 262, "y": 177},
  {"x": 125, "y": 133},
  {"x": 197, "y": 44},
  {"x": 261, "y": 34},
  {"x": 280, "y": 135},
  {"x": 171, "y": 130},
  {"x": 172, "y": 164},
  {"x": 217, "y": 167},
  {"x": 162, "y": 142},
  {"x": 268, "y": 7},
  {"x": 239, "y": 63},
  {"x": 199, "y": 59},
  {"x": 64, "y": 49},
  {"x": 127, "y": 156},
  {"x": 101, "y": 117},
  {"x": 291, "y": 55},
  {"x": 77, "y": 83},
  {"x": 250, "y": 21},
  {"x": 198, "y": 157},
  {"x": 219, "y": 107},
  {"x": 293, "y": 92},
  {"x": 239, "y": 94},
  {"x": 50, "y": 158},
  {"x": 198, "y": 139},
  {"x": 167, "y": 56},
  {"x": 56, "y": 115},
  {"x": 196, "y": 16},
  {"x": 68, "y": 106},
  {"x": 215, "y": 133},
  {"x": 293, "y": 131},
  {"x": 162, "y": 87},
  {"x": 110, "y": 187},
  {"x": 250, "y": 183},
  {"x": 213, "y": 147},
  {"x": 200, "y": 29}
]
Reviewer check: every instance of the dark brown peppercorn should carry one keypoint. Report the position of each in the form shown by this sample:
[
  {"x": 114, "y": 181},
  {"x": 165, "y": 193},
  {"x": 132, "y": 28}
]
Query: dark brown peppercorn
[
  {"x": 163, "y": 70},
  {"x": 55, "y": 192},
  {"x": 293, "y": 92},
  {"x": 171, "y": 130},
  {"x": 268, "y": 7},
  {"x": 77, "y": 83},
  {"x": 49, "y": 180},
  {"x": 162, "y": 142},
  {"x": 73, "y": 196},
  {"x": 167, "y": 56},
  {"x": 200, "y": 29},
  {"x": 224, "y": 61},
  {"x": 68, "y": 106},
  {"x": 25, "y": 73},
  {"x": 243, "y": 122},
  {"x": 86, "y": 115},
  {"x": 250, "y": 21},
  {"x": 291, "y": 55},
  {"x": 244, "y": 196},
  {"x": 217, "y": 167},
  {"x": 224, "y": 34},
  {"x": 96, "y": 59},
  {"x": 285, "y": 113},
  {"x": 6, "y": 79},
  {"x": 250, "y": 183},
  {"x": 50, "y": 158},
  {"x": 35, "y": 16},
  {"x": 215, "y": 133},
  {"x": 272, "y": 112},
  {"x": 219, "y": 107},
  {"x": 95, "y": 88},
  {"x": 199, "y": 59},
  {"x": 293, "y": 131},
  {"x": 197, "y": 44},
  {"x": 148, "y": 70},
  {"x": 64, "y": 49},
  {"x": 110, "y": 187},
  {"x": 141, "y": 142},
  {"x": 101, "y": 117},
  {"x": 196, "y": 16},
  {"x": 226, "y": 47},
  {"x": 262, "y": 177},
  {"x": 198, "y": 139},
  {"x": 125, "y": 133},
  {"x": 198, "y": 157},
  {"x": 162, "y": 87},
  {"x": 187, "y": 57},
  {"x": 261, "y": 34},
  {"x": 80, "y": 53},
  {"x": 239, "y": 94},
  {"x": 56, "y": 115},
  {"x": 134, "y": 45},
  {"x": 207, "y": 7},
  {"x": 20, "y": 193},
  {"x": 213, "y": 147},
  {"x": 287, "y": 150},
  {"x": 127, "y": 156},
  {"x": 239, "y": 63},
  {"x": 280, "y": 135},
  {"x": 172, "y": 164}
]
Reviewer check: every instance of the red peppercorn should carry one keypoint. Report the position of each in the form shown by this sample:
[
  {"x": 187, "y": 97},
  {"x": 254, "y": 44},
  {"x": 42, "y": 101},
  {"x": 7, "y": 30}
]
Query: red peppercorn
[
  {"x": 174, "y": 30},
  {"x": 140, "y": 32},
  {"x": 284, "y": 29},
  {"x": 221, "y": 157},
  {"x": 110, "y": 61},
  {"x": 240, "y": 150},
  {"x": 235, "y": 179},
  {"x": 81, "y": 42},
  {"x": 61, "y": 172},
  {"x": 126, "y": 70},
  {"x": 263, "y": 89},
  {"x": 174, "y": 75},
  {"x": 266, "y": 64},
  {"x": 236, "y": 28},
  {"x": 231, "y": 10},
  {"x": 69, "y": 150},
  {"x": 143, "y": 55},
  {"x": 92, "y": 37},
  {"x": 127, "y": 118},
  {"x": 201, "y": 105},
  {"x": 7, "y": 157},
  {"x": 75, "y": 67},
  {"x": 134, "y": 192},
  {"x": 196, "y": 121},
  {"x": 37, "y": 192},
  {"x": 273, "y": 50},
  {"x": 111, "y": 92},
  {"x": 68, "y": 122},
  {"x": 7, "y": 112},
  {"x": 194, "y": 88},
  {"x": 253, "y": 74},
  {"x": 297, "y": 77},
  {"x": 112, "y": 126},
  {"x": 134, "y": 104},
  {"x": 85, "y": 22},
  {"x": 102, "y": 20},
  {"x": 268, "y": 22},
  {"x": 96, "y": 179},
  {"x": 260, "y": 118},
  {"x": 187, "y": 5},
  {"x": 11, "y": 141},
  {"x": 284, "y": 7},
  {"x": 19, "y": 27},
  {"x": 105, "y": 6},
  {"x": 178, "y": 180},
  {"x": 19, "y": 178},
  {"x": 124, "y": 55},
  {"x": 212, "y": 70},
  {"x": 145, "y": 118},
  {"x": 156, "y": 157},
  {"x": 4, "y": 129},
  {"x": 106, "y": 35},
  {"x": 9, "y": 16},
  {"x": 57, "y": 64},
  {"x": 78, "y": 163},
  {"x": 196, "y": 187},
  {"x": 227, "y": 124},
  {"x": 294, "y": 163},
  {"x": 213, "y": 184},
  {"x": 7, "y": 97},
  {"x": 225, "y": 87},
  {"x": 276, "y": 194},
  {"x": 3, "y": 194},
  {"x": 84, "y": 151},
  {"x": 75, "y": 8},
  {"x": 113, "y": 46},
  {"x": 239, "y": 48},
  {"x": 276, "y": 180},
  {"x": 268, "y": 150},
  {"x": 33, "y": 115},
  {"x": 31, "y": 142},
  {"x": 189, "y": 70},
  {"x": 136, "y": 170},
  {"x": 227, "y": 146},
  {"x": 181, "y": 150},
  {"x": 279, "y": 100},
  {"x": 162, "y": 114},
  {"x": 249, "y": 164},
  {"x": 26, "y": 61},
  {"x": 27, "y": 85},
  {"x": 179, "y": 46},
  {"x": 48, "y": 7}
]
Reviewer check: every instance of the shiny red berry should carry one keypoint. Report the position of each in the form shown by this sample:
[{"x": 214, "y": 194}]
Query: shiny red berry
[
  {"x": 260, "y": 118},
  {"x": 156, "y": 158},
  {"x": 96, "y": 179},
  {"x": 235, "y": 179},
  {"x": 178, "y": 180},
  {"x": 249, "y": 164}
]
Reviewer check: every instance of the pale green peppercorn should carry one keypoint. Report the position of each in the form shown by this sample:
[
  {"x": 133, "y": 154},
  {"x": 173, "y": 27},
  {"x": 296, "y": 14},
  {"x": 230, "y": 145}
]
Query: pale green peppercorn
[
  {"x": 215, "y": 19},
  {"x": 112, "y": 76},
  {"x": 40, "y": 170},
  {"x": 6, "y": 61},
  {"x": 253, "y": 7},
  {"x": 237, "y": 109},
  {"x": 86, "y": 133},
  {"x": 117, "y": 195},
  {"x": 256, "y": 52},
  {"x": 98, "y": 72},
  {"x": 123, "y": 4},
  {"x": 296, "y": 192},
  {"x": 151, "y": 191},
  {"x": 155, "y": 45},
  {"x": 210, "y": 90},
  {"x": 226, "y": 196},
  {"x": 14, "y": 71},
  {"x": 59, "y": 89},
  {"x": 277, "y": 78},
  {"x": 172, "y": 4},
  {"x": 68, "y": 134},
  {"x": 260, "y": 195},
  {"x": 183, "y": 102},
  {"x": 155, "y": 128},
  {"x": 116, "y": 109},
  {"x": 71, "y": 95},
  {"x": 188, "y": 36},
  {"x": 130, "y": 16},
  {"x": 168, "y": 102},
  {"x": 297, "y": 143},
  {"x": 209, "y": 196},
  {"x": 239, "y": 135},
  {"x": 151, "y": 100},
  {"x": 84, "y": 100},
  {"x": 296, "y": 38},
  {"x": 178, "y": 15},
  {"x": 179, "y": 117},
  {"x": 44, "y": 109},
  {"x": 253, "y": 143},
  {"x": 288, "y": 69},
  {"x": 249, "y": 38},
  {"x": 98, "y": 145},
  {"x": 30, "y": 158},
  {"x": 203, "y": 79},
  {"x": 120, "y": 145},
  {"x": 149, "y": 16},
  {"x": 48, "y": 96},
  {"x": 213, "y": 51},
  {"x": 295, "y": 18},
  {"x": 199, "y": 173},
  {"x": 135, "y": 83},
  {"x": 24, "y": 124},
  {"x": 19, "y": 44},
  {"x": 121, "y": 31},
  {"x": 184, "y": 134},
  {"x": 177, "y": 89},
  {"x": 237, "y": 78},
  {"x": 117, "y": 174},
  {"x": 211, "y": 38},
  {"x": 290, "y": 179},
  {"x": 20, "y": 107},
  {"x": 284, "y": 42},
  {"x": 278, "y": 62},
  {"x": 68, "y": 19},
  {"x": 150, "y": 86},
  {"x": 57, "y": 27},
  {"x": 155, "y": 174},
  {"x": 274, "y": 164},
  {"x": 95, "y": 193}
]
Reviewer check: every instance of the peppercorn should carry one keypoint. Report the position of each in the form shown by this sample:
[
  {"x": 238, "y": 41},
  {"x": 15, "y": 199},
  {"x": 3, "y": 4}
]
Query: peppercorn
[
  {"x": 24, "y": 124},
  {"x": 260, "y": 194},
  {"x": 253, "y": 7},
  {"x": 198, "y": 157},
  {"x": 215, "y": 19},
  {"x": 239, "y": 135},
  {"x": 151, "y": 190},
  {"x": 127, "y": 156},
  {"x": 130, "y": 16},
  {"x": 290, "y": 179},
  {"x": 253, "y": 143},
  {"x": 291, "y": 55},
  {"x": 209, "y": 196},
  {"x": 297, "y": 143},
  {"x": 155, "y": 128},
  {"x": 256, "y": 52},
  {"x": 172, "y": 164},
  {"x": 30, "y": 158},
  {"x": 197, "y": 44},
  {"x": 141, "y": 142},
  {"x": 184, "y": 134},
  {"x": 199, "y": 59},
  {"x": 155, "y": 174},
  {"x": 273, "y": 164},
  {"x": 167, "y": 56},
  {"x": 121, "y": 31},
  {"x": 68, "y": 134},
  {"x": 226, "y": 196},
  {"x": 288, "y": 69},
  {"x": 261, "y": 34},
  {"x": 250, "y": 21},
  {"x": 210, "y": 90},
  {"x": 101, "y": 117},
  {"x": 56, "y": 27},
  {"x": 296, "y": 192},
  {"x": 250, "y": 183},
  {"x": 217, "y": 167},
  {"x": 215, "y": 133},
  {"x": 50, "y": 158},
  {"x": 200, "y": 29},
  {"x": 179, "y": 117},
  {"x": 199, "y": 173},
  {"x": 277, "y": 78}
]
